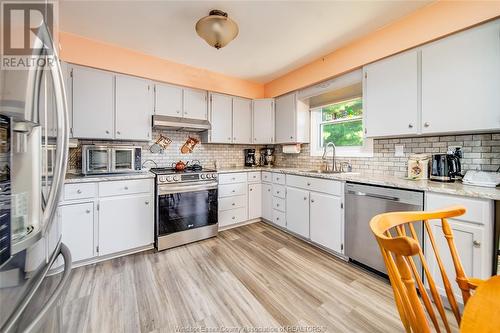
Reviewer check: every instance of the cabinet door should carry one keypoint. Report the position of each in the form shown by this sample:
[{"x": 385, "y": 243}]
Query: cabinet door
[
  {"x": 125, "y": 222},
  {"x": 133, "y": 108},
  {"x": 263, "y": 121},
  {"x": 195, "y": 104},
  {"x": 77, "y": 226},
  {"x": 285, "y": 117},
  {"x": 168, "y": 100},
  {"x": 391, "y": 96},
  {"x": 469, "y": 240},
  {"x": 221, "y": 118},
  {"x": 242, "y": 120},
  {"x": 326, "y": 221},
  {"x": 254, "y": 201},
  {"x": 267, "y": 201},
  {"x": 297, "y": 211},
  {"x": 461, "y": 81},
  {"x": 93, "y": 102}
]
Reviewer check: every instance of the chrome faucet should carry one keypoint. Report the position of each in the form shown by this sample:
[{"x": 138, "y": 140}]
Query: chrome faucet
[{"x": 330, "y": 144}]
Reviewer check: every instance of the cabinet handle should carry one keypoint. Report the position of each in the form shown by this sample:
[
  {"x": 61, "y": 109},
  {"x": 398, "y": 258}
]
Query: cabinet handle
[
  {"x": 233, "y": 191},
  {"x": 146, "y": 202},
  {"x": 107, "y": 132},
  {"x": 233, "y": 204},
  {"x": 268, "y": 190},
  {"x": 308, "y": 184},
  {"x": 251, "y": 189},
  {"x": 234, "y": 138},
  {"x": 277, "y": 219},
  {"x": 229, "y": 139},
  {"x": 410, "y": 125},
  {"x": 277, "y": 205},
  {"x": 233, "y": 217},
  {"x": 118, "y": 132},
  {"x": 312, "y": 200},
  {"x": 87, "y": 211},
  {"x": 278, "y": 192},
  {"x": 426, "y": 124},
  {"x": 476, "y": 243},
  {"x": 125, "y": 188},
  {"x": 79, "y": 191},
  {"x": 291, "y": 137},
  {"x": 254, "y": 139},
  {"x": 305, "y": 198},
  {"x": 233, "y": 178}
]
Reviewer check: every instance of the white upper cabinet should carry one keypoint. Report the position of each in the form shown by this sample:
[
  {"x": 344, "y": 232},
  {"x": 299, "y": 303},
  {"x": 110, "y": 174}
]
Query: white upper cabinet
[
  {"x": 242, "y": 120},
  {"x": 391, "y": 96},
  {"x": 291, "y": 119},
  {"x": 168, "y": 100},
  {"x": 134, "y": 107},
  {"x": 195, "y": 104},
  {"x": 263, "y": 121},
  {"x": 93, "y": 103},
  {"x": 461, "y": 81},
  {"x": 221, "y": 110}
]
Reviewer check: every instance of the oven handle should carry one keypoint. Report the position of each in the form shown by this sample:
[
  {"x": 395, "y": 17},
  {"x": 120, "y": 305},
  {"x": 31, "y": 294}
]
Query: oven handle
[{"x": 174, "y": 188}]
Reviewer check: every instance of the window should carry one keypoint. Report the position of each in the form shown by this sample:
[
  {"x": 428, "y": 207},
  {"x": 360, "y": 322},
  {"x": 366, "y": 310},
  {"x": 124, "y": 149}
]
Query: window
[{"x": 342, "y": 124}]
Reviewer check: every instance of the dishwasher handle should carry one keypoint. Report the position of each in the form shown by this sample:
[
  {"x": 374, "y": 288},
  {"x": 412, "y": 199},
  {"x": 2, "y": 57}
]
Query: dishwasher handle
[{"x": 372, "y": 195}]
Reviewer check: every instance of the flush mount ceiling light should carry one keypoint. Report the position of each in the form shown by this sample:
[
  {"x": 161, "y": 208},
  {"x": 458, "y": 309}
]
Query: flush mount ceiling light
[{"x": 217, "y": 29}]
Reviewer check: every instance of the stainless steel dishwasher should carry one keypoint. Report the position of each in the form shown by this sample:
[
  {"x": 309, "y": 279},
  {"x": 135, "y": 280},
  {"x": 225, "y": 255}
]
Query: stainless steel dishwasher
[{"x": 362, "y": 202}]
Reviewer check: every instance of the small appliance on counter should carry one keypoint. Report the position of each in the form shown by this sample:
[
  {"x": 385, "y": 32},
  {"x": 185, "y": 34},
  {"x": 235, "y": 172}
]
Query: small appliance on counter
[
  {"x": 250, "y": 158},
  {"x": 418, "y": 166},
  {"x": 446, "y": 167},
  {"x": 267, "y": 157},
  {"x": 103, "y": 159}
]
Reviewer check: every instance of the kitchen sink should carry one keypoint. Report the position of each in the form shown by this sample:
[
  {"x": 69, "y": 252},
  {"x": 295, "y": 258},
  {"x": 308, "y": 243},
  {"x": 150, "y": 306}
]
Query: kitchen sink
[{"x": 321, "y": 171}]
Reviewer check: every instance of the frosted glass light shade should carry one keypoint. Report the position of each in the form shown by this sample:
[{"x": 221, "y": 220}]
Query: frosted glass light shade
[{"x": 217, "y": 29}]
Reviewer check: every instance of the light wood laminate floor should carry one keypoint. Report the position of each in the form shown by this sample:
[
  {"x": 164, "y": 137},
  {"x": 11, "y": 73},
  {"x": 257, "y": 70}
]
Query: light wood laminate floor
[{"x": 250, "y": 276}]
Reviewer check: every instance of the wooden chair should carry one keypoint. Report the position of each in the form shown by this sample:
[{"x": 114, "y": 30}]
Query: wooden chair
[{"x": 397, "y": 238}]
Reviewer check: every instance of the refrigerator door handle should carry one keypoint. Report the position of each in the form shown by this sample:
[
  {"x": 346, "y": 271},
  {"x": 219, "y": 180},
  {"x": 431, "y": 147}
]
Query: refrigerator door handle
[
  {"x": 62, "y": 139},
  {"x": 14, "y": 317}
]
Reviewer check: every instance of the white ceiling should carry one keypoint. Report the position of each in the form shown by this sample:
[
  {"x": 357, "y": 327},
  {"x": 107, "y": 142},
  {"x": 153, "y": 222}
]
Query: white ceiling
[{"x": 275, "y": 36}]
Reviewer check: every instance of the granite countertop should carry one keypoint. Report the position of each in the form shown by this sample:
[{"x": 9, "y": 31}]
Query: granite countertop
[
  {"x": 72, "y": 178},
  {"x": 456, "y": 188}
]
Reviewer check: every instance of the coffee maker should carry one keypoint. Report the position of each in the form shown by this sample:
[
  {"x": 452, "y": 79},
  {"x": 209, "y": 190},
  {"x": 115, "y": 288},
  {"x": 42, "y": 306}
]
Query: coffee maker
[
  {"x": 249, "y": 157},
  {"x": 446, "y": 167},
  {"x": 267, "y": 157}
]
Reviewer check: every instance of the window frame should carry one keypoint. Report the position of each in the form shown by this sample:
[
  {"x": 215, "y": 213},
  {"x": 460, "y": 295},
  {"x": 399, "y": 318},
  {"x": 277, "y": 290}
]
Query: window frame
[{"x": 366, "y": 150}]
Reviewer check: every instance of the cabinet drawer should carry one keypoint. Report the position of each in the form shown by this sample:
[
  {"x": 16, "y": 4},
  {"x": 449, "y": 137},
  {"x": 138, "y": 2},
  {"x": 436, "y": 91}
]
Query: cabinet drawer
[
  {"x": 267, "y": 176},
  {"x": 232, "y": 216},
  {"x": 231, "y": 178},
  {"x": 232, "y": 189},
  {"x": 478, "y": 210},
  {"x": 80, "y": 191},
  {"x": 279, "y": 218},
  {"x": 315, "y": 184},
  {"x": 278, "y": 178},
  {"x": 123, "y": 187},
  {"x": 279, "y": 204},
  {"x": 237, "y": 201},
  {"x": 279, "y": 191},
  {"x": 254, "y": 177}
]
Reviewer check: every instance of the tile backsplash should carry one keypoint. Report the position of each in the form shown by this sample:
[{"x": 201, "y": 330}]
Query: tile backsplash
[{"x": 481, "y": 151}]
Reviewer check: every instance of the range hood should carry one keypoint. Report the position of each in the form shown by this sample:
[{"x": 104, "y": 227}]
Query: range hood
[{"x": 181, "y": 124}]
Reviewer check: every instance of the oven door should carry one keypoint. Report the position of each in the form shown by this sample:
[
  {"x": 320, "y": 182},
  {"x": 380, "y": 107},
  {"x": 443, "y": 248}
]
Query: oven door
[
  {"x": 97, "y": 160},
  {"x": 123, "y": 160},
  {"x": 182, "y": 207}
]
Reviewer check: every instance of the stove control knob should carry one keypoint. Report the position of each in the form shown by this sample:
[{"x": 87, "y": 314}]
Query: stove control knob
[
  {"x": 214, "y": 176},
  {"x": 176, "y": 178},
  {"x": 203, "y": 176},
  {"x": 168, "y": 178},
  {"x": 162, "y": 179}
]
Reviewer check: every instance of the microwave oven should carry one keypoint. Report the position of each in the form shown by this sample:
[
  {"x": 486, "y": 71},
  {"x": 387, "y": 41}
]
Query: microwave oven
[{"x": 105, "y": 159}]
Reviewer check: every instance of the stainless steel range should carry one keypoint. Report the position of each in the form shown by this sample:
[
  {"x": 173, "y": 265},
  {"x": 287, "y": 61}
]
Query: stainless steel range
[{"x": 186, "y": 206}]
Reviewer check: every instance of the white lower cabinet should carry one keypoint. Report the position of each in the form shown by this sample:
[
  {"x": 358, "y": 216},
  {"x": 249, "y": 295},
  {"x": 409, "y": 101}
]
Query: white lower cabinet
[
  {"x": 326, "y": 220},
  {"x": 125, "y": 223},
  {"x": 267, "y": 201},
  {"x": 297, "y": 213},
  {"x": 106, "y": 218},
  {"x": 254, "y": 201},
  {"x": 77, "y": 227},
  {"x": 233, "y": 198},
  {"x": 472, "y": 236}
]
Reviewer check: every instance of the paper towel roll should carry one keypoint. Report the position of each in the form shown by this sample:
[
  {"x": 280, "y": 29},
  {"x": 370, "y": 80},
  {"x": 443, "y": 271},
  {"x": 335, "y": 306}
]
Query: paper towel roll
[{"x": 291, "y": 149}]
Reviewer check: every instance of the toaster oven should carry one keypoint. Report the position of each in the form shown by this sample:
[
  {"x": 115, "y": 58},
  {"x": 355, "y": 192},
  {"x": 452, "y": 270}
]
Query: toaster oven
[{"x": 105, "y": 159}]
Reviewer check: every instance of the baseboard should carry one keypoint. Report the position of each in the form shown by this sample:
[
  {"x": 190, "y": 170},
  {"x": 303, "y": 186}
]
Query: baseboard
[{"x": 231, "y": 226}]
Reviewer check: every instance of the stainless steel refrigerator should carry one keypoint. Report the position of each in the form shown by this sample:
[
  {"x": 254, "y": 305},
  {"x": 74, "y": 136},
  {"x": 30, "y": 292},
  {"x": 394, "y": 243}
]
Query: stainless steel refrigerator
[{"x": 34, "y": 264}]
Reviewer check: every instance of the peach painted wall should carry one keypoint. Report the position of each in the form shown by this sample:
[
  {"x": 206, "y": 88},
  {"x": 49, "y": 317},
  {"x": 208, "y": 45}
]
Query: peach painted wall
[
  {"x": 88, "y": 52},
  {"x": 433, "y": 21}
]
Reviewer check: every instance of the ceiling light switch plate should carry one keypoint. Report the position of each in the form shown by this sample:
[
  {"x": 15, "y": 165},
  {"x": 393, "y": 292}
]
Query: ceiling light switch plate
[{"x": 399, "y": 150}]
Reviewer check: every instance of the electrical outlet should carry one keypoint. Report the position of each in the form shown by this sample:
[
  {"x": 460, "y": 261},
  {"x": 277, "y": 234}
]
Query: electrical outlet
[{"x": 399, "y": 150}]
